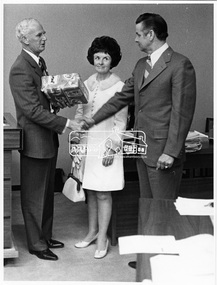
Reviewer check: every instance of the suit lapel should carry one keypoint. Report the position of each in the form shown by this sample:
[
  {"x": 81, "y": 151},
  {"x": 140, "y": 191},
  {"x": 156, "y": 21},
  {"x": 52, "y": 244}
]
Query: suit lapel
[
  {"x": 159, "y": 66},
  {"x": 32, "y": 62},
  {"x": 141, "y": 78}
]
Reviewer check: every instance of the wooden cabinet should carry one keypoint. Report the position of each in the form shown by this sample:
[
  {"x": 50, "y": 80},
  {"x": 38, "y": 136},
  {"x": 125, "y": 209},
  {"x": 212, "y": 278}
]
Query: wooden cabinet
[
  {"x": 12, "y": 141},
  {"x": 197, "y": 182}
]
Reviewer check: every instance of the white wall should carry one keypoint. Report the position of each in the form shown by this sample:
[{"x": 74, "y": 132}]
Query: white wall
[{"x": 70, "y": 29}]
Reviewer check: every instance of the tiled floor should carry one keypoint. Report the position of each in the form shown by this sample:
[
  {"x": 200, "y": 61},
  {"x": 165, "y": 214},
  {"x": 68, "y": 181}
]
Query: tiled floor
[
  {"x": 70, "y": 225},
  {"x": 74, "y": 265}
]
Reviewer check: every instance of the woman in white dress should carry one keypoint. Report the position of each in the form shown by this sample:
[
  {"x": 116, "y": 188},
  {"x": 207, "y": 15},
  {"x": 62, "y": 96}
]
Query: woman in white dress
[{"x": 103, "y": 165}]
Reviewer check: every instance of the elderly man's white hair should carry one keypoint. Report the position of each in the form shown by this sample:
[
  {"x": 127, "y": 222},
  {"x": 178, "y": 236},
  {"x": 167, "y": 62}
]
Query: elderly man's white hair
[{"x": 22, "y": 28}]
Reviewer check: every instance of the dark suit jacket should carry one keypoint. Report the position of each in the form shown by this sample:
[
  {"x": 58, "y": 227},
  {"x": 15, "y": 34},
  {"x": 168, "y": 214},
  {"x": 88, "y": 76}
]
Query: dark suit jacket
[
  {"x": 164, "y": 104},
  {"x": 40, "y": 126}
]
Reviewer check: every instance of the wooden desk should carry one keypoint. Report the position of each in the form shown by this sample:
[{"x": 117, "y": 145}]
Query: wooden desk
[
  {"x": 160, "y": 217},
  {"x": 197, "y": 179},
  {"x": 12, "y": 141},
  {"x": 197, "y": 182}
]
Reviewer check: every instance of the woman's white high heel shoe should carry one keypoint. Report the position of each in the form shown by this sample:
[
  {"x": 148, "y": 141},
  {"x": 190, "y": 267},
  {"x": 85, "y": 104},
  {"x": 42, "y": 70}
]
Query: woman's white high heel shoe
[
  {"x": 83, "y": 244},
  {"x": 102, "y": 253}
]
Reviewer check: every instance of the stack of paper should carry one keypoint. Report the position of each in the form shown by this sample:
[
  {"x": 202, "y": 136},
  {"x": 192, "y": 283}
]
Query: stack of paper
[
  {"x": 147, "y": 244},
  {"x": 195, "y": 264},
  {"x": 194, "y": 140},
  {"x": 195, "y": 207},
  {"x": 189, "y": 261}
]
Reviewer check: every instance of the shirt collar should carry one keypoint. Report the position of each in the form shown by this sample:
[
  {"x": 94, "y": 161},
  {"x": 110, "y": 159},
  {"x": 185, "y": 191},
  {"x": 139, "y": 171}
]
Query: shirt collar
[
  {"x": 157, "y": 53},
  {"x": 92, "y": 82},
  {"x": 36, "y": 58}
]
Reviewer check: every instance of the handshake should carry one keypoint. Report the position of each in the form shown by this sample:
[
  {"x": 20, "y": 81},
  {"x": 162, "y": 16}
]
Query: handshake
[{"x": 81, "y": 124}]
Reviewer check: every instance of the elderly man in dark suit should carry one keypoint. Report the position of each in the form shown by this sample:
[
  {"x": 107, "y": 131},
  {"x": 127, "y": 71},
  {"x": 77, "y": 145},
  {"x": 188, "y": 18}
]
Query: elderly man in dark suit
[
  {"x": 41, "y": 127},
  {"x": 163, "y": 89}
]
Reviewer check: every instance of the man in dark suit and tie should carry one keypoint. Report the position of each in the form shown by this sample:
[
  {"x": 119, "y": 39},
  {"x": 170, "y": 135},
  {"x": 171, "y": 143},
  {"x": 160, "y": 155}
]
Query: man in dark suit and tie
[
  {"x": 41, "y": 127},
  {"x": 163, "y": 89}
]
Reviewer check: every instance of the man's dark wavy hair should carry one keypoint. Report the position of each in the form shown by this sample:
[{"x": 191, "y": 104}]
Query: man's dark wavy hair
[
  {"x": 107, "y": 45},
  {"x": 154, "y": 22}
]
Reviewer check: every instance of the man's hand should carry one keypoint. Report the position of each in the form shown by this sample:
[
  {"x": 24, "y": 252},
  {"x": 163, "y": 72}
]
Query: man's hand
[
  {"x": 75, "y": 125},
  {"x": 62, "y": 104},
  {"x": 87, "y": 123},
  {"x": 81, "y": 124},
  {"x": 165, "y": 161}
]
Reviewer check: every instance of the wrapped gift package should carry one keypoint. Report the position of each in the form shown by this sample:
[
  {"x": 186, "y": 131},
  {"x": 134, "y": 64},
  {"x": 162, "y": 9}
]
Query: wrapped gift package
[{"x": 66, "y": 89}]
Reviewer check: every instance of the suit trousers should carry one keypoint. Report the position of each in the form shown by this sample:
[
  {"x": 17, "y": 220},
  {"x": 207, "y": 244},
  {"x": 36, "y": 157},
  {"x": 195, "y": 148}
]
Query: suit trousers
[
  {"x": 159, "y": 184},
  {"x": 37, "y": 199}
]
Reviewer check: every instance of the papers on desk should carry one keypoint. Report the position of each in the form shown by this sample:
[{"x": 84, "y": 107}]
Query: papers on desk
[
  {"x": 166, "y": 244},
  {"x": 194, "y": 141},
  {"x": 195, "y": 264},
  {"x": 195, "y": 207},
  {"x": 193, "y": 261},
  {"x": 147, "y": 244}
]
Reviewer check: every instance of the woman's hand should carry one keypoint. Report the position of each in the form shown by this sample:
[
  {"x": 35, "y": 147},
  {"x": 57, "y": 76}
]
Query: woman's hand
[{"x": 108, "y": 157}]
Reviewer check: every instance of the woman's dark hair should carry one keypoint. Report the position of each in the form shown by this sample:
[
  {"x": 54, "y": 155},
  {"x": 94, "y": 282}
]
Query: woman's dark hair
[
  {"x": 154, "y": 22},
  {"x": 107, "y": 45}
]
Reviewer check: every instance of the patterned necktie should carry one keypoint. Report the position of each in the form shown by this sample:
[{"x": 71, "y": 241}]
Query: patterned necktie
[
  {"x": 42, "y": 66},
  {"x": 148, "y": 66}
]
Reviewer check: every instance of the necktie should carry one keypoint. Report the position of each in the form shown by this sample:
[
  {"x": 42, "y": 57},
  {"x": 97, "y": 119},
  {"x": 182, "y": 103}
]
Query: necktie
[
  {"x": 42, "y": 66},
  {"x": 148, "y": 66}
]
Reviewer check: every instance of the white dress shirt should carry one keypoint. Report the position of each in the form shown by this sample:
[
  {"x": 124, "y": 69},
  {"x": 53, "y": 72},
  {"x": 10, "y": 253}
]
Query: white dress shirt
[{"x": 157, "y": 53}]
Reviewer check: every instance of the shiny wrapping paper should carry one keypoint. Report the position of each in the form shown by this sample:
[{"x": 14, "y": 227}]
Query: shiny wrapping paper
[{"x": 66, "y": 89}]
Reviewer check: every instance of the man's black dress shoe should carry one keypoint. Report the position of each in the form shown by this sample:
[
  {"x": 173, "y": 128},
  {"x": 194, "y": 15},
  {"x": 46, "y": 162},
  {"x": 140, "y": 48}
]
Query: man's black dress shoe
[
  {"x": 46, "y": 254},
  {"x": 132, "y": 264},
  {"x": 54, "y": 243}
]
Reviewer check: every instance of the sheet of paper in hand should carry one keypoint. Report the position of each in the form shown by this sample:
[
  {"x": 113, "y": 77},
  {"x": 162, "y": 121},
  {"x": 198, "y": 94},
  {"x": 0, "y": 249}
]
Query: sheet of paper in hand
[{"x": 66, "y": 89}]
